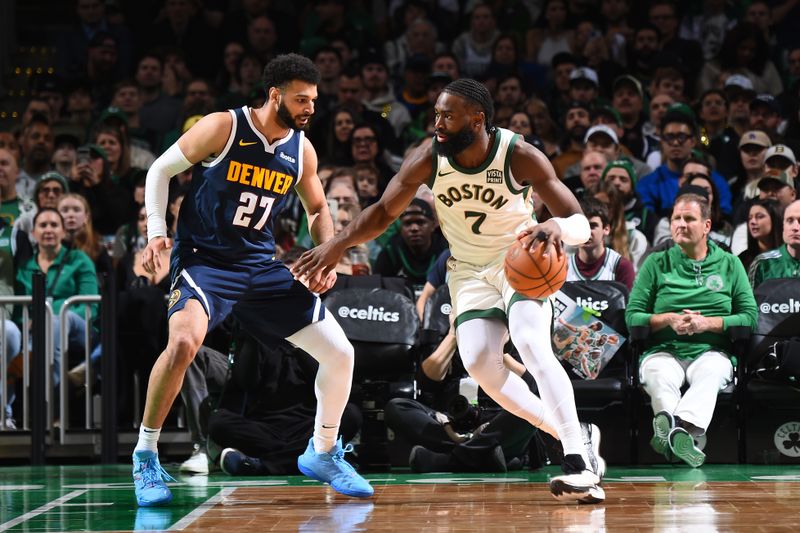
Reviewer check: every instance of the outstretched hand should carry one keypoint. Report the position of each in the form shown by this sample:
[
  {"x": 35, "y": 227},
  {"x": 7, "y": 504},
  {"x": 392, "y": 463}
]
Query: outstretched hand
[
  {"x": 151, "y": 255},
  {"x": 315, "y": 266},
  {"x": 548, "y": 232}
]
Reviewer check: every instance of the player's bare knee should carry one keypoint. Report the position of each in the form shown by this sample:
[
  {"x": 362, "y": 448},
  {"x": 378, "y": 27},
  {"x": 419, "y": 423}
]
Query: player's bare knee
[{"x": 182, "y": 348}]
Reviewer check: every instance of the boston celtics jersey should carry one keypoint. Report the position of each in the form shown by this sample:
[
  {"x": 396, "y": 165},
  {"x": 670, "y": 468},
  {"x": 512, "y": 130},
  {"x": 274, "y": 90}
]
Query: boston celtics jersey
[
  {"x": 777, "y": 263},
  {"x": 235, "y": 196},
  {"x": 481, "y": 209},
  {"x": 607, "y": 272}
]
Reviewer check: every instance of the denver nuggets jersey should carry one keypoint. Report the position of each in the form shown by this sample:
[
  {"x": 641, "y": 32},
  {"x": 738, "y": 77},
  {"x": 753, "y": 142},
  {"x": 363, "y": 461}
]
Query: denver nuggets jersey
[
  {"x": 481, "y": 209},
  {"x": 235, "y": 196}
]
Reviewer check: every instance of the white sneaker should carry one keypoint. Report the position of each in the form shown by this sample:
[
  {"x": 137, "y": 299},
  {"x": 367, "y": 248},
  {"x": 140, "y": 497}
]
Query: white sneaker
[
  {"x": 197, "y": 463},
  {"x": 591, "y": 439},
  {"x": 577, "y": 484}
]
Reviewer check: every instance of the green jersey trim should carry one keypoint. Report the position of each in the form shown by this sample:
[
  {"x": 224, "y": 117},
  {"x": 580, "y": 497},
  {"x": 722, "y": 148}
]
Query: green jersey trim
[
  {"x": 507, "y": 166},
  {"x": 434, "y": 166},
  {"x": 486, "y": 162},
  {"x": 481, "y": 313}
]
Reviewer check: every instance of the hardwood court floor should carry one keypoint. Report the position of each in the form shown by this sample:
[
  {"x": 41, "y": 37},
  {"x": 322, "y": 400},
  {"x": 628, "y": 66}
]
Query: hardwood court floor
[{"x": 643, "y": 499}]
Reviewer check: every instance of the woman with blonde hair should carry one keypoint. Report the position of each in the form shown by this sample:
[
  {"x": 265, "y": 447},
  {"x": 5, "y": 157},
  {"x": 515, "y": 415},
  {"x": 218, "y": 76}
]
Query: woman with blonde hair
[
  {"x": 624, "y": 239},
  {"x": 80, "y": 234}
]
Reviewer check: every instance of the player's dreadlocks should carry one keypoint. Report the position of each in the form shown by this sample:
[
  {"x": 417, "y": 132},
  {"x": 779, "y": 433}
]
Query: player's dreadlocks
[
  {"x": 287, "y": 68},
  {"x": 477, "y": 94}
]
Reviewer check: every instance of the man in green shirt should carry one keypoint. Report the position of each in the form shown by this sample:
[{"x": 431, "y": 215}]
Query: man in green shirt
[
  {"x": 688, "y": 295},
  {"x": 783, "y": 262}
]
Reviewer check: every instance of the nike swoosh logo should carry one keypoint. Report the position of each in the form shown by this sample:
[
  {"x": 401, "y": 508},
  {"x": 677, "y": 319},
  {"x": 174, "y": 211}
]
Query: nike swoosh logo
[
  {"x": 446, "y": 173},
  {"x": 242, "y": 143}
]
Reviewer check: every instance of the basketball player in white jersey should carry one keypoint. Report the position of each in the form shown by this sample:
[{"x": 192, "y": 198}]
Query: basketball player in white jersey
[{"x": 481, "y": 178}]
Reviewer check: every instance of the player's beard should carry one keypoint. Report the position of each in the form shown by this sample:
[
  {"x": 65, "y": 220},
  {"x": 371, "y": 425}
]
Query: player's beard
[
  {"x": 285, "y": 118},
  {"x": 455, "y": 143}
]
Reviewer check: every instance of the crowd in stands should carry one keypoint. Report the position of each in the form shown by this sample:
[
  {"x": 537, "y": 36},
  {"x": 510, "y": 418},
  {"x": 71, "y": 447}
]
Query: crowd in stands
[{"x": 636, "y": 104}]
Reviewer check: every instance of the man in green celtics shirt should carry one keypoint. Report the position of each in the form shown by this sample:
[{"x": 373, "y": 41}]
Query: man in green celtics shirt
[
  {"x": 783, "y": 262},
  {"x": 688, "y": 295}
]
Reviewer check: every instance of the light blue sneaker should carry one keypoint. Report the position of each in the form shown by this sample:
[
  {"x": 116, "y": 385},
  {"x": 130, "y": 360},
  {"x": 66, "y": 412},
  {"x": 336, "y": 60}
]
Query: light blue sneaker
[
  {"x": 149, "y": 478},
  {"x": 332, "y": 468}
]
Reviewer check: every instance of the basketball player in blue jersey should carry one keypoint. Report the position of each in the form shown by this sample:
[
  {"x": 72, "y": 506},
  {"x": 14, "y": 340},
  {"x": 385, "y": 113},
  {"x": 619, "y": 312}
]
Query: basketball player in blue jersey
[
  {"x": 223, "y": 261},
  {"x": 481, "y": 178}
]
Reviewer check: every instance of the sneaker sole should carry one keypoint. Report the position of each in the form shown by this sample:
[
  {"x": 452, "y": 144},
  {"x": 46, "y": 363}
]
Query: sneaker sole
[
  {"x": 682, "y": 445},
  {"x": 156, "y": 503},
  {"x": 307, "y": 471},
  {"x": 661, "y": 429},
  {"x": 564, "y": 492},
  {"x": 225, "y": 452}
]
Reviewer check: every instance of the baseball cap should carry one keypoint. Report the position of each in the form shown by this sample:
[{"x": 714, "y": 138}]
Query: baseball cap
[
  {"x": 759, "y": 138},
  {"x": 66, "y": 138},
  {"x": 691, "y": 189},
  {"x": 779, "y": 177},
  {"x": 607, "y": 111},
  {"x": 418, "y": 206},
  {"x": 51, "y": 175},
  {"x": 627, "y": 79},
  {"x": 739, "y": 81},
  {"x": 113, "y": 112},
  {"x": 584, "y": 73},
  {"x": 781, "y": 150},
  {"x": 766, "y": 100},
  {"x": 96, "y": 150},
  {"x": 601, "y": 128},
  {"x": 625, "y": 165}
]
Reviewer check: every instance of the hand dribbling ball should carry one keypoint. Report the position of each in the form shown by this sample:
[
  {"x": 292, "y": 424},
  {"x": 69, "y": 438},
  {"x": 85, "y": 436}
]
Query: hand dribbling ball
[{"x": 533, "y": 274}]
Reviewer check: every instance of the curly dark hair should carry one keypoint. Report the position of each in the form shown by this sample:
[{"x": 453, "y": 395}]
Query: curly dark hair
[
  {"x": 289, "y": 67},
  {"x": 475, "y": 93}
]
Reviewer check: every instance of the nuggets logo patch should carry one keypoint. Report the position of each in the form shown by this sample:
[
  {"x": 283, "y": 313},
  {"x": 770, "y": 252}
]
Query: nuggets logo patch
[{"x": 173, "y": 298}]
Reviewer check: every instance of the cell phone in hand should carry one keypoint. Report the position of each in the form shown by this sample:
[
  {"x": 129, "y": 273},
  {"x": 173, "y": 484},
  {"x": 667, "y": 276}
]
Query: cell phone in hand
[{"x": 83, "y": 155}]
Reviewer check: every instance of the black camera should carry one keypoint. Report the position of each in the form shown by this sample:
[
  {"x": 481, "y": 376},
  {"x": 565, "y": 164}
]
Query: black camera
[{"x": 464, "y": 416}]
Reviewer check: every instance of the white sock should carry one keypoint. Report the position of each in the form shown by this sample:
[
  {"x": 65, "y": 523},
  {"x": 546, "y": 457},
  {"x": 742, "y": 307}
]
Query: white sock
[
  {"x": 326, "y": 342},
  {"x": 529, "y": 324},
  {"x": 148, "y": 439},
  {"x": 325, "y": 437}
]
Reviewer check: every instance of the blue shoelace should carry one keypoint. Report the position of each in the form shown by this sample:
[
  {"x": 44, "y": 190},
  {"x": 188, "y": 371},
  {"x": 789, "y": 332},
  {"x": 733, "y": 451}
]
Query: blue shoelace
[
  {"x": 339, "y": 459},
  {"x": 152, "y": 474}
]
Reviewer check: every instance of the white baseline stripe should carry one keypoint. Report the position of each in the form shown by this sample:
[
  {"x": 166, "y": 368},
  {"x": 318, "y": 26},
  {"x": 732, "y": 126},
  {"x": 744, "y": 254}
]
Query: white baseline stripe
[
  {"x": 187, "y": 520},
  {"x": 41, "y": 510}
]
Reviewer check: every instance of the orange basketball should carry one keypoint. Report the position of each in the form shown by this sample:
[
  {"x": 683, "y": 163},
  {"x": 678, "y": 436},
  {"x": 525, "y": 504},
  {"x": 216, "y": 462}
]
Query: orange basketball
[{"x": 532, "y": 274}]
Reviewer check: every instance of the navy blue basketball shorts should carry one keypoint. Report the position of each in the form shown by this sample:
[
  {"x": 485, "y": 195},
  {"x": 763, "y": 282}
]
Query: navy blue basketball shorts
[{"x": 265, "y": 298}]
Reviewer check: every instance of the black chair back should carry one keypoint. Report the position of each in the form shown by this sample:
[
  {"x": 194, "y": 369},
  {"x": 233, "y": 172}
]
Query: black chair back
[{"x": 383, "y": 327}]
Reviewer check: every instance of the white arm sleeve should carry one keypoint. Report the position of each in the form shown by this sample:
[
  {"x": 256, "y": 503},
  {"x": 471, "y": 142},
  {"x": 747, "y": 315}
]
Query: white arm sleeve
[
  {"x": 574, "y": 230},
  {"x": 156, "y": 189}
]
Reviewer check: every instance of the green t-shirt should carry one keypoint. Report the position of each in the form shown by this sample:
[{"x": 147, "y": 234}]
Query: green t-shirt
[
  {"x": 670, "y": 282},
  {"x": 777, "y": 263},
  {"x": 72, "y": 273},
  {"x": 10, "y": 210}
]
